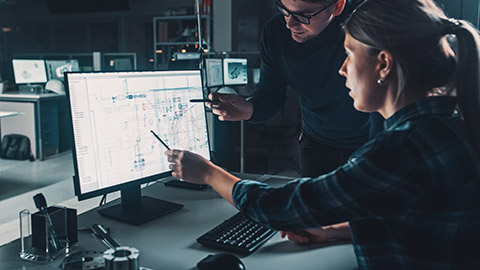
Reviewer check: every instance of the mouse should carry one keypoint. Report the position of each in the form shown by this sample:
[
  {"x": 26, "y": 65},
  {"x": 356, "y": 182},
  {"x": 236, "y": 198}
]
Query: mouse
[{"x": 221, "y": 261}]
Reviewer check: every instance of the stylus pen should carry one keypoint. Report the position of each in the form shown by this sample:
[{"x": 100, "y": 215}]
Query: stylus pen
[
  {"x": 203, "y": 100},
  {"x": 156, "y": 136}
]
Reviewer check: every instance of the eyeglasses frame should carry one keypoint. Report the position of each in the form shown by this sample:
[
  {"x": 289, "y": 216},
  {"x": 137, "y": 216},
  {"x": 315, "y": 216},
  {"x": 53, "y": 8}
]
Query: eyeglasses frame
[{"x": 282, "y": 8}]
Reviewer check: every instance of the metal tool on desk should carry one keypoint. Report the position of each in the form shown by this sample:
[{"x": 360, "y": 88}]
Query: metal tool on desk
[
  {"x": 122, "y": 258},
  {"x": 116, "y": 257},
  {"x": 103, "y": 234},
  {"x": 125, "y": 258}
]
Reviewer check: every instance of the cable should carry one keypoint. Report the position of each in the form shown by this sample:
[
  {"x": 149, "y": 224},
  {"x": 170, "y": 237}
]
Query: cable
[
  {"x": 199, "y": 26},
  {"x": 103, "y": 200}
]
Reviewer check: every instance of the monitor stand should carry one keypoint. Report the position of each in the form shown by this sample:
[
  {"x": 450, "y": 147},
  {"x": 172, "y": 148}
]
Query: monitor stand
[
  {"x": 31, "y": 89},
  {"x": 137, "y": 209}
]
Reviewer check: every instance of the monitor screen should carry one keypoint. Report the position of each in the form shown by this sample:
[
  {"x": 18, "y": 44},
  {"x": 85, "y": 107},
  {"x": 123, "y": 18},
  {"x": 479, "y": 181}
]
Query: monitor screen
[
  {"x": 56, "y": 68},
  {"x": 235, "y": 71},
  {"x": 214, "y": 72},
  {"x": 113, "y": 114},
  {"x": 29, "y": 71}
]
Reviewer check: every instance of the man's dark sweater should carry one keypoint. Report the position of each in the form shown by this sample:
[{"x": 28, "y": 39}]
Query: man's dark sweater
[{"x": 311, "y": 69}]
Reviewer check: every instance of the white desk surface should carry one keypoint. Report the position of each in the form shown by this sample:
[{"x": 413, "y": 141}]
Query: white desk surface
[
  {"x": 15, "y": 96},
  {"x": 169, "y": 242}
]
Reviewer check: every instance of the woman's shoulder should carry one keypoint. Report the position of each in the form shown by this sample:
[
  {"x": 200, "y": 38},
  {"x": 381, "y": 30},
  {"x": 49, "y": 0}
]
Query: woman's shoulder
[{"x": 414, "y": 141}]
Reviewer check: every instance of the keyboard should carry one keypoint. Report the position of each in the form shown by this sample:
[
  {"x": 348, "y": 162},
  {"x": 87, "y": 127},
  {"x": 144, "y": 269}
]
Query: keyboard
[{"x": 237, "y": 234}]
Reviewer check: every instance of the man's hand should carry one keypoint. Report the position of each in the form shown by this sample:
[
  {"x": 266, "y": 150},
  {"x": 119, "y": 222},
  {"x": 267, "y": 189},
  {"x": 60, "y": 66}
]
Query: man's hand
[
  {"x": 230, "y": 107},
  {"x": 339, "y": 231}
]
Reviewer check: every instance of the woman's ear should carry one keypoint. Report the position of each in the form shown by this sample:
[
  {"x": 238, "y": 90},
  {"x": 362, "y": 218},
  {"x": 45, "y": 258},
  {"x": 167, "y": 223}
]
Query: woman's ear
[
  {"x": 338, "y": 7},
  {"x": 385, "y": 64}
]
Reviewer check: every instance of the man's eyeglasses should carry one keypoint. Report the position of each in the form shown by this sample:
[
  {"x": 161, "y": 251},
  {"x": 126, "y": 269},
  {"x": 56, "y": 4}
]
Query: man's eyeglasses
[{"x": 301, "y": 18}]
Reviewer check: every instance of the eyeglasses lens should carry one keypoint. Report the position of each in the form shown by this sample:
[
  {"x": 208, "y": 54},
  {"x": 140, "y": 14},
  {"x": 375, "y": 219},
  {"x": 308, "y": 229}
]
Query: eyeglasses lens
[
  {"x": 296, "y": 17},
  {"x": 301, "y": 19}
]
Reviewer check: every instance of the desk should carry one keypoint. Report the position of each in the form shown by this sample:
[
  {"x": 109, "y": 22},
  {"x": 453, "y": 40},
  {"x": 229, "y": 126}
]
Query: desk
[
  {"x": 40, "y": 120},
  {"x": 7, "y": 114},
  {"x": 169, "y": 242},
  {"x": 3, "y": 115}
]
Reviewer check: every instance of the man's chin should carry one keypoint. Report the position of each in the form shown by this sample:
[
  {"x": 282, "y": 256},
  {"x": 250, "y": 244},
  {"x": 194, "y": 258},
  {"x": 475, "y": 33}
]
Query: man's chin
[{"x": 300, "y": 38}]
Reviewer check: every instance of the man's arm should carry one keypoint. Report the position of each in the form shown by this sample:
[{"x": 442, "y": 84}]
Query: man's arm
[
  {"x": 270, "y": 93},
  {"x": 266, "y": 101}
]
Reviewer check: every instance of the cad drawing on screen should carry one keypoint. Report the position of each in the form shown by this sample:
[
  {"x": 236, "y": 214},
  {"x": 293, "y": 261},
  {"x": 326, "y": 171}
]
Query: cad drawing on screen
[{"x": 113, "y": 113}]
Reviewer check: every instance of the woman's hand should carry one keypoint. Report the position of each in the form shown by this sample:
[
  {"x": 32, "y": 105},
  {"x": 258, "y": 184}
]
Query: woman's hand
[
  {"x": 189, "y": 166},
  {"x": 339, "y": 231},
  {"x": 194, "y": 168}
]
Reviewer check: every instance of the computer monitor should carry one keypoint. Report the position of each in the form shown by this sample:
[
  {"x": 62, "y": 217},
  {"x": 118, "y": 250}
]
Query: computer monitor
[
  {"x": 214, "y": 72},
  {"x": 235, "y": 71},
  {"x": 56, "y": 68},
  {"x": 29, "y": 71},
  {"x": 113, "y": 114},
  {"x": 120, "y": 64}
]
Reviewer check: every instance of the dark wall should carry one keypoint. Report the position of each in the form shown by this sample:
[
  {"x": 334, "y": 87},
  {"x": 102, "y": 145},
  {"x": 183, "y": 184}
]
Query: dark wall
[
  {"x": 462, "y": 9},
  {"x": 248, "y": 18},
  {"x": 34, "y": 29}
]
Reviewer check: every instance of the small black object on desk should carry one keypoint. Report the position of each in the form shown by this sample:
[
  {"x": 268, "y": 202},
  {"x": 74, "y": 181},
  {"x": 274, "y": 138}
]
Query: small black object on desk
[
  {"x": 50, "y": 227},
  {"x": 41, "y": 204},
  {"x": 221, "y": 261},
  {"x": 183, "y": 184}
]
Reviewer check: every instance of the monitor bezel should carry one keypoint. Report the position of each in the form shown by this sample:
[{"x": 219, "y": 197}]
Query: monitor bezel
[{"x": 99, "y": 192}]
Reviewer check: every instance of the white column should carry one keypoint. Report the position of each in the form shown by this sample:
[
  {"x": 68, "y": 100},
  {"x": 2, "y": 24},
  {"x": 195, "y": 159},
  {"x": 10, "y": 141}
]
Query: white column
[{"x": 222, "y": 25}]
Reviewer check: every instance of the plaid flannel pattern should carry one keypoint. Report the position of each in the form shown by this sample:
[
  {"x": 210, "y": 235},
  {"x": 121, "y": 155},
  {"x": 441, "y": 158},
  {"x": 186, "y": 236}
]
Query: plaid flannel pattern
[{"x": 411, "y": 194}]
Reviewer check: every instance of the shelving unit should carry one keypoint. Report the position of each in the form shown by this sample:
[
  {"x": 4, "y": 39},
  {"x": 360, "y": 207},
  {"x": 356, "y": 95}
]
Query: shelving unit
[{"x": 177, "y": 34}]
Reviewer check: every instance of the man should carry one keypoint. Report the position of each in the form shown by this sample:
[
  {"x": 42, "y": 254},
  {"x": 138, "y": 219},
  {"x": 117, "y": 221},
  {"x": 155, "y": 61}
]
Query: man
[{"x": 303, "y": 47}]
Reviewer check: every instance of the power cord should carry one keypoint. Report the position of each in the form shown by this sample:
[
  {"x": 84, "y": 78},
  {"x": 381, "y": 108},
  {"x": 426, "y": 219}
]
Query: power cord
[{"x": 103, "y": 200}]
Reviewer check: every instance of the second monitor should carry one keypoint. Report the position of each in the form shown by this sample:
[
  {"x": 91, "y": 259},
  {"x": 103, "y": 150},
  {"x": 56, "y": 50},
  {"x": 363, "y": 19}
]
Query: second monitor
[
  {"x": 226, "y": 72},
  {"x": 235, "y": 71},
  {"x": 29, "y": 71},
  {"x": 56, "y": 68}
]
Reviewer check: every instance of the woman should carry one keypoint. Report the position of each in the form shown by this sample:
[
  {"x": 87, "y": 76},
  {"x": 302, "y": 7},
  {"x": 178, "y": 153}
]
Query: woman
[{"x": 410, "y": 194}]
